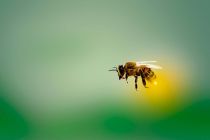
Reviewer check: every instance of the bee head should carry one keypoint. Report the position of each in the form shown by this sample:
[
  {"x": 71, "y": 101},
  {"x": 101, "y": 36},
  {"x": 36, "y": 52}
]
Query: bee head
[{"x": 120, "y": 71}]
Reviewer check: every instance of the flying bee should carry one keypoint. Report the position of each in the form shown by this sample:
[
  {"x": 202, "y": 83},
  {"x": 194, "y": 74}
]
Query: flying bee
[{"x": 136, "y": 69}]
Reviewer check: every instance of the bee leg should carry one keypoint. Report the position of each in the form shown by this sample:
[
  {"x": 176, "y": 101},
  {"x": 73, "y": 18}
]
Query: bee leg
[
  {"x": 126, "y": 77},
  {"x": 136, "y": 80},
  {"x": 144, "y": 82}
]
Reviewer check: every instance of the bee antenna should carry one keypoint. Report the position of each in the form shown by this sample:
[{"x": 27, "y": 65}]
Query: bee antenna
[{"x": 113, "y": 70}]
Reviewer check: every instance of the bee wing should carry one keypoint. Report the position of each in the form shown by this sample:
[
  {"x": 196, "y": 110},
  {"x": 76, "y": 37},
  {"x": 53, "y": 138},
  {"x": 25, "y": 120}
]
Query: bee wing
[
  {"x": 143, "y": 62},
  {"x": 152, "y": 66},
  {"x": 138, "y": 63}
]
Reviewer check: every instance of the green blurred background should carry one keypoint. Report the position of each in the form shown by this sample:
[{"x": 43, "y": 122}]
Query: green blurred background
[{"x": 54, "y": 58}]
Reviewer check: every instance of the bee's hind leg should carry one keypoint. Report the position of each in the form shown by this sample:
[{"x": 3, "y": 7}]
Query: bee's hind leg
[
  {"x": 136, "y": 80},
  {"x": 144, "y": 82}
]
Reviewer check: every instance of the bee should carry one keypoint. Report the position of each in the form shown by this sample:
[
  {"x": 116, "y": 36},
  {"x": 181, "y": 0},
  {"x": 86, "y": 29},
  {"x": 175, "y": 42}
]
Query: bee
[{"x": 137, "y": 69}]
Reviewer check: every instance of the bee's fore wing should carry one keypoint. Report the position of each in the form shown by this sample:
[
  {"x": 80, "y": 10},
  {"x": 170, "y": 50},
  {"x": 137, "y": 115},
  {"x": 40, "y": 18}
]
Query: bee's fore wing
[{"x": 152, "y": 66}]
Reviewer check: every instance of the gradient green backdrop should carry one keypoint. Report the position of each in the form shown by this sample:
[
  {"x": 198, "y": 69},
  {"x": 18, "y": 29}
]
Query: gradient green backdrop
[{"x": 54, "y": 57}]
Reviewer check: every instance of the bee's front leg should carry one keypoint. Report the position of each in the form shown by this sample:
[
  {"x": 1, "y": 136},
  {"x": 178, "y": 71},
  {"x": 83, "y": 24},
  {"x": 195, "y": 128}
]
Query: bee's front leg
[
  {"x": 126, "y": 77},
  {"x": 136, "y": 80}
]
